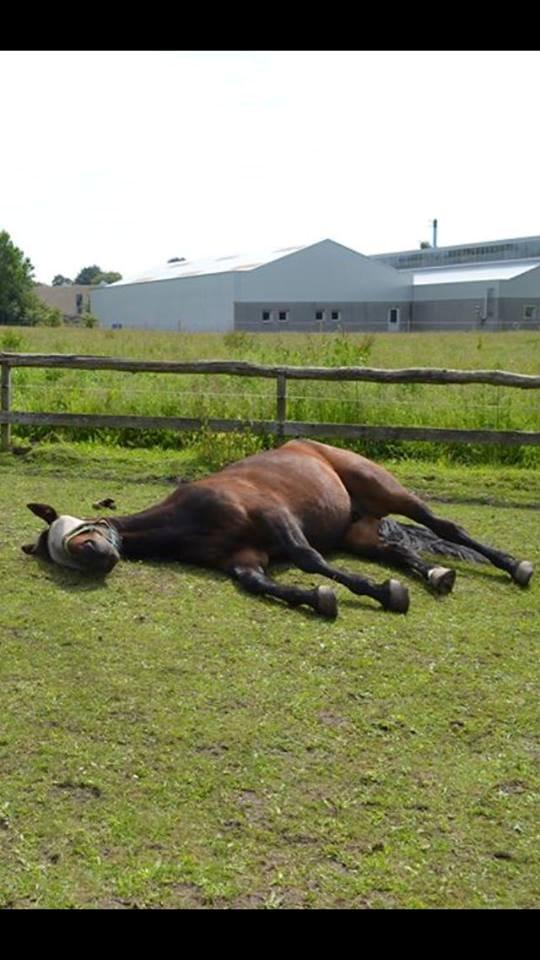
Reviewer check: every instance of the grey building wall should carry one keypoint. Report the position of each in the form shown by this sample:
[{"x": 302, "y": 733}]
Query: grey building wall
[
  {"x": 198, "y": 304},
  {"x": 323, "y": 272},
  {"x": 452, "y": 315},
  {"x": 353, "y": 316},
  {"x": 514, "y": 315},
  {"x": 473, "y": 290},
  {"x": 456, "y": 306},
  {"x": 525, "y": 285},
  {"x": 519, "y": 302}
]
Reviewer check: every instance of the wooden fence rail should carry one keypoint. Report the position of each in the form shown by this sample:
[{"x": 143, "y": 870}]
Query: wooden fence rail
[{"x": 280, "y": 427}]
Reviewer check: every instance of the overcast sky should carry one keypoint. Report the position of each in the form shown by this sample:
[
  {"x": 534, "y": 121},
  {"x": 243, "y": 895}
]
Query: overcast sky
[{"x": 126, "y": 159}]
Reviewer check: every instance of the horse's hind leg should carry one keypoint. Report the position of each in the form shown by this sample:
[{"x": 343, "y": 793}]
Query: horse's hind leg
[
  {"x": 376, "y": 492},
  {"x": 521, "y": 571},
  {"x": 293, "y": 544},
  {"x": 363, "y": 538},
  {"x": 247, "y": 567}
]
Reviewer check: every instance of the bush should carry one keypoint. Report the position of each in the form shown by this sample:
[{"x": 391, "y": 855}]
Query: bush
[
  {"x": 12, "y": 341},
  {"x": 40, "y": 315}
]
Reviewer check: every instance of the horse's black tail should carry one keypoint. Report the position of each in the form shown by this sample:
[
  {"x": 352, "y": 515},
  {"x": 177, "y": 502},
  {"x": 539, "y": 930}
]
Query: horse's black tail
[{"x": 422, "y": 540}]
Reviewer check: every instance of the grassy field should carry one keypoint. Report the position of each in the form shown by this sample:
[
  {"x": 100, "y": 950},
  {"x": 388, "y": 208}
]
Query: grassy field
[
  {"x": 168, "y": 740},
  {"x": 474, "y": 406}
]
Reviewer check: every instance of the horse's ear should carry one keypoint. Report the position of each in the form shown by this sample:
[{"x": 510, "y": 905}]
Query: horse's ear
[
  {"x": 39, "y": 548},
  {"x": 29, "y": 548},
  {"x": 46, "y": 513}
]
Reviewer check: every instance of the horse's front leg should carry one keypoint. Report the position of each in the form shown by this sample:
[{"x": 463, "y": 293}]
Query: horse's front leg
[
  {"x": 248, "y": 567},
  {"x": 391, "y": 594}
]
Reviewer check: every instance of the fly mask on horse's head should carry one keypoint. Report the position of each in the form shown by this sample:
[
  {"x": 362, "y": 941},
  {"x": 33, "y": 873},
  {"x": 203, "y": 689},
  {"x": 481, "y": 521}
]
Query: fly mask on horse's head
[{"x": 91, "y": 546}]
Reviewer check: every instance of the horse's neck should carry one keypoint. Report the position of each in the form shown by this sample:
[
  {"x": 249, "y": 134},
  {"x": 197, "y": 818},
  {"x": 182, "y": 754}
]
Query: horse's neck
[
  {"x": 158, "y": 515},
  {"x": 152, "y": 531}
]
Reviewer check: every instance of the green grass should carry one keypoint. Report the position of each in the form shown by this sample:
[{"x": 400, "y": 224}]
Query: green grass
[
  {"x": 458, "y": 406},
  {"x": 168, "y": 740}
]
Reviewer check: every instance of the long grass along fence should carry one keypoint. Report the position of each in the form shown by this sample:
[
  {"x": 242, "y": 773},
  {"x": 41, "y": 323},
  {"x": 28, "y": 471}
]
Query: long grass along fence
[{"x": 204, "y": 403}]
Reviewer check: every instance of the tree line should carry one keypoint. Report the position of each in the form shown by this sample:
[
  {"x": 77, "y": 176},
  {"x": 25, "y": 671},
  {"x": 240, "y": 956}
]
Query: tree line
[
  {"x": 19, "y": 302},
  {"x": 88, "y": 276}
]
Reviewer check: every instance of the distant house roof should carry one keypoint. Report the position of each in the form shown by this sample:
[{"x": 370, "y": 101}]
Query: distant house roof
[
  {"x": 497, "y": 270},
  {"x": 208, "y": 265}
]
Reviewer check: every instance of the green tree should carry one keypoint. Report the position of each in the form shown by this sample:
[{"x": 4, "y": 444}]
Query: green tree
[
  {"x": 88, "y": 274},
  {"x": 94, "y": 275},
  {"x": 17, "y": 297},
  {"x": 60, "y": 281},
  {"x": 19, "y": 303},
  {"x": 110, "y": 277}
]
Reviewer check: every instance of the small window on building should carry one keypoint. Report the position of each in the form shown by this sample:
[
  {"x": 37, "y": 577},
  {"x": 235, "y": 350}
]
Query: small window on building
[
  {"x": 335, "y": 315},
  {"x": 283, "y": 316},
  {"x": 393, "y": 316},
  {"x": 266, "y": 316},
  {"x": 530, "y": 311},
  {"x": 319, "y": 315},
  {"x": 79, "y": 302}
]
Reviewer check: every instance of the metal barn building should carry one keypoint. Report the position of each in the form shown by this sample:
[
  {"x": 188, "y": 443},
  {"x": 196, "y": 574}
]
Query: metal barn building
[{"x": 323, "y": 287}]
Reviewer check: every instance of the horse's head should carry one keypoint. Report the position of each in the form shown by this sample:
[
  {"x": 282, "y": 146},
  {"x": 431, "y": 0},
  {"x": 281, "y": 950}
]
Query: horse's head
[{"x": 88, "y": 545}]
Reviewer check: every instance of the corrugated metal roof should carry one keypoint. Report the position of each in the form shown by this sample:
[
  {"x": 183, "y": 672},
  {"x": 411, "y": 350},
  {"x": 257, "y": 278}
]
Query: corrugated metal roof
[
  {"x": 498, "y": 270},
  {"x": 459, "y": 246},
  {"x": 208, "y": 265}
]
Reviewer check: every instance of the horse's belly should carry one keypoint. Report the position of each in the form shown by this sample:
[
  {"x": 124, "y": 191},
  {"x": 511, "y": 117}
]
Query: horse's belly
[
  {"x": 324, "y": 510},
  {"x": 283, "y": 484},
  {"x": 325, "y": 530}
]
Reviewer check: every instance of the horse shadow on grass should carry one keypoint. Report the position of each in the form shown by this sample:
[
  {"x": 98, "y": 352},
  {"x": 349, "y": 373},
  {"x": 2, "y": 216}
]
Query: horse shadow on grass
[
  {"x": 75, "y": 581},
  {"x": 71, "y": 580},
  {"x": 206, "y": 579}
]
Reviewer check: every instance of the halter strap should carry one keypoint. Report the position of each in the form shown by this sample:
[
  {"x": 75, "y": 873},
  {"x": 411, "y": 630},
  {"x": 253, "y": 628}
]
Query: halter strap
[{"x": 90, "y": 526}]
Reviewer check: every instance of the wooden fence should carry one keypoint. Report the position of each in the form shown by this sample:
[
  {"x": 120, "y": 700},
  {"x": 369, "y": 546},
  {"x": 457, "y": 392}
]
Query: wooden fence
[{"x": 281, "y": 426}]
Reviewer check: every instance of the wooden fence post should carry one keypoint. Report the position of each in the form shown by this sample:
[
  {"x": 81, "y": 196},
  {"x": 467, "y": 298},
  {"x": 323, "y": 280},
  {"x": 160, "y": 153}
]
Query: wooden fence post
[
  {"x": 281, "y": 398},
  {"x": 5, "y": 403}
]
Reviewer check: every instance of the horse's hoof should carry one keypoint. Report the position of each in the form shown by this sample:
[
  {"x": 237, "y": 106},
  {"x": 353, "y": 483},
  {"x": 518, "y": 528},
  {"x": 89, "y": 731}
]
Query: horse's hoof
[
  {"x": 326, "y": 602},
  {"x": 397, "y": 597},
  {"x": 442, "y": 579},
  {"x": 523, "y": 572}
]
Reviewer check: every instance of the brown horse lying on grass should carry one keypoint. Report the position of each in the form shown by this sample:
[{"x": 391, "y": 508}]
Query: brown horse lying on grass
[{"x": 291, "y": 504}]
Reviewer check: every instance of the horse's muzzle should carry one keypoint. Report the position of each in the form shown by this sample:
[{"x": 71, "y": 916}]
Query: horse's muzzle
[{"x": 98, "y": 557}]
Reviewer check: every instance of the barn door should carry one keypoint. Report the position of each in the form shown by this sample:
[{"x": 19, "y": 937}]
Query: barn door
[{"x": 393, "y": 318}]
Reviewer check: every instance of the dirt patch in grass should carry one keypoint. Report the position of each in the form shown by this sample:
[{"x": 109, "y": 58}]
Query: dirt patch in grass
[{"x": 78, "y": 791}]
